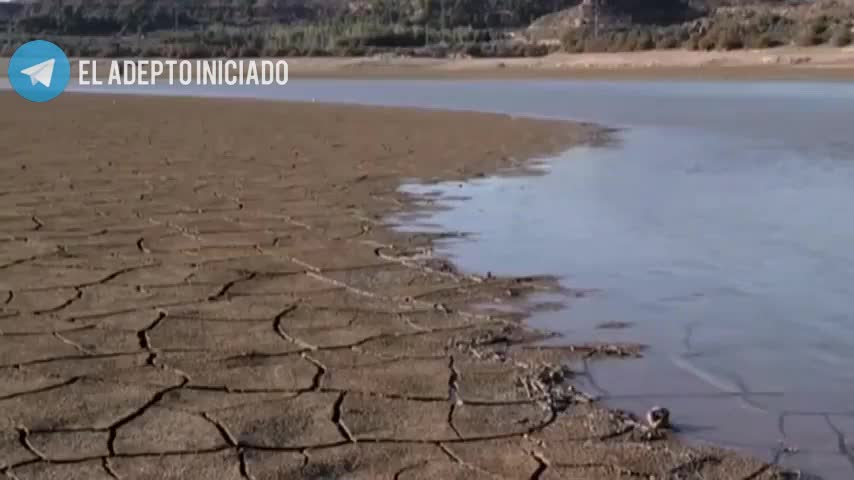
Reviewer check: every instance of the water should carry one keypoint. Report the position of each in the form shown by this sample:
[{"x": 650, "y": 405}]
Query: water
[
  {"x": 719, "y": 227},
  {"x": 731, "y": 266}
]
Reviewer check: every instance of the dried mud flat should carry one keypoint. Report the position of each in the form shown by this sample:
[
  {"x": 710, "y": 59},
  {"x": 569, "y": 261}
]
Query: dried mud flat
[{"x": 200, "y": 289}]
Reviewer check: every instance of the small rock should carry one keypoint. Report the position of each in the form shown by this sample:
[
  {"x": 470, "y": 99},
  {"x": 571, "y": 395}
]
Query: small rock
[{"x": 658, "y": 417}]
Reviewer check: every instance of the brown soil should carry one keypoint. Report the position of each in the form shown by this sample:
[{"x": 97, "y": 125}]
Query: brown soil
[{"x": 197, "y": 289}]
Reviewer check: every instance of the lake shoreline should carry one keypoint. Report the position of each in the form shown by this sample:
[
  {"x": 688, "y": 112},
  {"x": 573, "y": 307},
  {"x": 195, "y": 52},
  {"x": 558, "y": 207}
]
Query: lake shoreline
[
  {"x": 223, "y": 270},
  {"x": 777, "y": 64}
]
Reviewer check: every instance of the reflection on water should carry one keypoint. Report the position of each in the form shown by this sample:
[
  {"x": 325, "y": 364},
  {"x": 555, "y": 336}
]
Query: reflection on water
[{"x": 719, "y": 229}]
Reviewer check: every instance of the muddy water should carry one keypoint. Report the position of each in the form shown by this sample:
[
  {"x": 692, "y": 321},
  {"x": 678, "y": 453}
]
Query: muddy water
[{"x": 719, "y": 231}]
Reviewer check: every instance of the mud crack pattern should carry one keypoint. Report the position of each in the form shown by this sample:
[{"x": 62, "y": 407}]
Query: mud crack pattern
[{"x": 188, "y": 296}]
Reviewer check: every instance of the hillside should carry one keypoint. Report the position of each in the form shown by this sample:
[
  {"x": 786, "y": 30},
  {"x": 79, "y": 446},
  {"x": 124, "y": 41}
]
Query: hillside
[
  {"x": 200, "y": 28},
  {"x": 627, "y": 25}
]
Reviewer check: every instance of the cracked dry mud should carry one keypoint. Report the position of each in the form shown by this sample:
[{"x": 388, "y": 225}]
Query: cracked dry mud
[{"x": 198, "y": 289}]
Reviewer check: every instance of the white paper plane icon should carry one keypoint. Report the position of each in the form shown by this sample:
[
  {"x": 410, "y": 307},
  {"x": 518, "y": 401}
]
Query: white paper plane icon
[{"x": 41, "y": 73}]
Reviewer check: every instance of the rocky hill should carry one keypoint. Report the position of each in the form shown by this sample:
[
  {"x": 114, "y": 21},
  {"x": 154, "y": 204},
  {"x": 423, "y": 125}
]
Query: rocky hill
[
  {"x": 418, "y": 27},
  {"x": 619, "y": 25},
  {"x": 117, "y": 15},
  {"x": 622, "y": 13}
]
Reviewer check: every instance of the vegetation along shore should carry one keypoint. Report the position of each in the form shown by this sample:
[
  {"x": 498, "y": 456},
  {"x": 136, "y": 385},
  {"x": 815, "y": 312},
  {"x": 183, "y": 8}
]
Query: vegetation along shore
[{"x": 419, "y": 28}]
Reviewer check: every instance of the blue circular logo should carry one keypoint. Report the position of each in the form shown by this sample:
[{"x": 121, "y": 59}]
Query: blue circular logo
[{"x": 39, "y": 71}]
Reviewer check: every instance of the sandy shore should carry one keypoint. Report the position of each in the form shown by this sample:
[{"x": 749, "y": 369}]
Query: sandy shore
[
  {"x": 785, "y": 63},
  {"x": 774, "y": 64},
  {"x": 198, "y": 289}
]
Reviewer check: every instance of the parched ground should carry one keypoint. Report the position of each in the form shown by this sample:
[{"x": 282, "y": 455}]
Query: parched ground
[{"x": 204, "y": 289}]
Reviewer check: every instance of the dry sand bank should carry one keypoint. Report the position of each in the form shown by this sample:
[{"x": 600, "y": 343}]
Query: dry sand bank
[
  {"x": 775, "y": 64},
  {"x": 197, "y": 289},
  {"x": 786, "y": 63}
]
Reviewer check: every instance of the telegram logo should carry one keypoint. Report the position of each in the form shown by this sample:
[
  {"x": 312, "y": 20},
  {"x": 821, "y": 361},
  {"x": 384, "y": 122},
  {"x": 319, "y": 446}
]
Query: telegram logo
[{"x": 39, "y": 71}]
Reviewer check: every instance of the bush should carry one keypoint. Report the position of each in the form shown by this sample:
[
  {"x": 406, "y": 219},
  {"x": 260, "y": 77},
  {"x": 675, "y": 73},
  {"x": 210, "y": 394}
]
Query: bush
[
  {"x": 472, "y": 50},
  {"x": 248, "y": 52},
  {"x": 693, "y": 42},
  {"x": 115, "y": 50},
  {"x": 765, "y": 40},
  {"x": 841, "y": 36},
  {"x": 808, "y": 38},
  {"x": 816, "y": 33},
  {"x": 270, "y": 51},
  {"x": 708, "y": 41},
  {"x": 600, "y": 44},
  {"x": 618, "y": 40},
  {"x": 629, "y": 41},
  {"x": 667, "y": 42},
  {"x": 535, "y": 50},
  {"x": 151, "y": 52},
  {"x": 821, "y": 26},
  {"x": 350, "y": 51},
  {"x": 315, "y": 52},
  {"x": 196, "y": 50},
  {"x": 645, "y": 42},
  {"x": 729, "y": 40},
  {"x": 573, "y": 41},
  {"x": 79, "y": 50}
]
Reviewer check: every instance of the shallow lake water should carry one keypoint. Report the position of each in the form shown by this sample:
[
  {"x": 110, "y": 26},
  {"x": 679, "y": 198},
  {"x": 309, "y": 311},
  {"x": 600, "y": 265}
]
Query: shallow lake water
[
  {"x": 735, "y": 274},
  {"x": 719, "y": 228}
]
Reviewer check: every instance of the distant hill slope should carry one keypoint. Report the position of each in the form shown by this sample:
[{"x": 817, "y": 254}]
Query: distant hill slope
[
  {"x": 622, "y": 25},
  {"x": 161, "y": 14},
  {"x": 665, "y": 12},
  {"x": 202, "y": 28},
  {"x": 130, "y": 15},
  {"x": 113, "y": 16}
]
